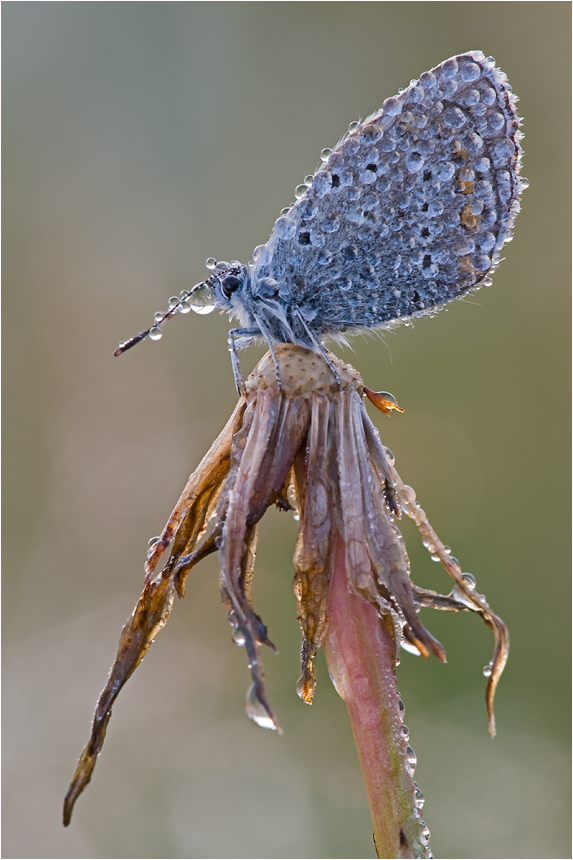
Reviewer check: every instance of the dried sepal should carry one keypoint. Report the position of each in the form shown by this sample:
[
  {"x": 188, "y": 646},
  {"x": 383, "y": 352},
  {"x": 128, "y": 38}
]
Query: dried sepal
[
  {"x": 313, "y": 487},
  {"x": 149, "y": 616},
  {"x": 471, "y": 599},
  {"x": 205, "y": 480}
]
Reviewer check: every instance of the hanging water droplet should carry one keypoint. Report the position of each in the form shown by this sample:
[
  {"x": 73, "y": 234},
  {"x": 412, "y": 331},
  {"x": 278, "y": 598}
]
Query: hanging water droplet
[
  {"x": 407, "y": 646},
  {"x": 255, "y": 710},
  {"x": 151, "y": 546},
  {"x": 448, "y": 550},
  {"x": 300, "y": 191},
  {"x": 173, "y": 302},
  {"x": 210, "y": 262},
  {"x": 308, "y": 180},
  {"x": 488, "y": 282},
  {"x": 425, "y": 832},
  {"x": 487, "y": 669},
  {"x": 302, "y": 688},
  {"x": 325, "y": 153},
  {"x": 469, "y": 579},
  {"x": 389, "y": 456},
  {"x": 296, "y": 517},
  {"x": 387, "y": 396},
  {"x": 455, "y": 560},
  {"x": 460, "y": 597},
  {"x": 238, "y": 636},
  {"x": 202, "y": 299},
  {"x": 405, "y": 732},
  {"x": 158, "y": 316},
  {"x": 435, "y": 556},
  {"x": 410, "y": 495},
  {"x": 155, "y": 333},
  {"x": 419, "y": 799},
  {"x": 354, "y": 125},
  {"x": 184, "y": 294},
  {"x": 411, "y": 760},
  {"x": 184, "y": 307}
]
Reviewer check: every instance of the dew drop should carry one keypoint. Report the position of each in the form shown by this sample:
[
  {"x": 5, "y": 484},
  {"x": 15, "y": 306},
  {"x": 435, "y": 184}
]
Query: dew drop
[
  {"x": 425, "y": 834},
  {"x": 308, "y": 180},
  {"x": 238, "y": 636},
  {"x": 410, "y": 494},
  {"x": 158, "y": 316},
  {"x": 184, "y": 307},
  {"x": 301, "y": 688},
  {"x": 155, "y": 333},
  {"x": 411, "y": 649},
  {"x": 389, "y": 456},
  {"x": 488, "y": 282},
  {"x": 173, "y": 302},
  {"x": 419, "y": 798},
  {"x": 202, "y": 300},
  {"x": 411, "y": 760},
  {"x": 325, "y": 154},
  {"x": 406, "y": 732},
  {"x": 469, "y": 579},
  {"x": 152, "y": 541},
  {"x": 211, "y": 262},
  {"x": 460, "y": 597},
  {"x": 300, "y": 191},
  {"x": 387, "y": 396},
  {"x": 256, "y": 712},
  {"x": 488, "y": 669},
  {"x": 435, "y": 556}
]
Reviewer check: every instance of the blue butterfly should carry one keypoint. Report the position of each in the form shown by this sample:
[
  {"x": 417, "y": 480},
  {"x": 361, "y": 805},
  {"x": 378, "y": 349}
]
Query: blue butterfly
[{"x": 409, "y": 211}]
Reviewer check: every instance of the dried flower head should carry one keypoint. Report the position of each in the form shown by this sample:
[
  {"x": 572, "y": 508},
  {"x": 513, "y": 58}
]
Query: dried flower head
[{"x": 307, "y": 443}]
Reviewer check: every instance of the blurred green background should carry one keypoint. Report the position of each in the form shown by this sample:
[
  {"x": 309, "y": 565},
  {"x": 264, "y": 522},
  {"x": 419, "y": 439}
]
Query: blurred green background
[{"x": 139, "y": 139}]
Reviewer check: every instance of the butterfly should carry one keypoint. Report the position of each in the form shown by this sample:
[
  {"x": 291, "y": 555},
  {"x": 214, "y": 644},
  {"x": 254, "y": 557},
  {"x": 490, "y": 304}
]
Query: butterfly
[{"x": 409, "y": 211}]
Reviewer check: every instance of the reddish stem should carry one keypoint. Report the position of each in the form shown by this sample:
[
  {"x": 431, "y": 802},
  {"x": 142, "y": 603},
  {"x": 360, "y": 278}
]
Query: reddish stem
[{"x": 360, "y": 652}]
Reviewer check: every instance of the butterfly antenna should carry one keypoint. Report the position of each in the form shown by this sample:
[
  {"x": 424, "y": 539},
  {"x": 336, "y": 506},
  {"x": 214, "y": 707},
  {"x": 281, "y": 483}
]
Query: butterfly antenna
[{"x": 177, "y": 304}]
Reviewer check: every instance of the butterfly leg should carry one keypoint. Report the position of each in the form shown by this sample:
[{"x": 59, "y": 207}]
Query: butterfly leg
[
  {"x": 269, "y": 340},
  {"x": 318, "y": 347},
  {"x": 247, "y": 335}
]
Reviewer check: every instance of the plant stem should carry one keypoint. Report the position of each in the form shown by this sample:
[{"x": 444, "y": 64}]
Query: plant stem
[{"x": 360, "y": 653}]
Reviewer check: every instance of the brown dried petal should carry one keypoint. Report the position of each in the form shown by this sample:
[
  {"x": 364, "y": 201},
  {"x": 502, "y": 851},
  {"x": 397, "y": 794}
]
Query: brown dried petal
[
  {"x": 313, "y": 545},
  {"x": 149, "y": 616}
]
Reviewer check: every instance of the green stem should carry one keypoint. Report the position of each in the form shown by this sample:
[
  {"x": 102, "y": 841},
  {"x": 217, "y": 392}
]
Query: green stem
[{"x": 360, "y": 652}]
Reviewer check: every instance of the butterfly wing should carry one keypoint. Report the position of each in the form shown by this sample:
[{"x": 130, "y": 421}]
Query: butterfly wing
[{"x": 410, "y": 210}]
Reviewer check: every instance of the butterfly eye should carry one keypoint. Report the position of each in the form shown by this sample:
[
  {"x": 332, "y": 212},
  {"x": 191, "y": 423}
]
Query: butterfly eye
[{"x": 229, "y": 285}]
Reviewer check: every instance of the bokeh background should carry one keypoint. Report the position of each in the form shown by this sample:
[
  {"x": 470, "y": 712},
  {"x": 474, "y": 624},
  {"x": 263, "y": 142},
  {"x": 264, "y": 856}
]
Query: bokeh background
[{"x": 139, "y": 139}]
